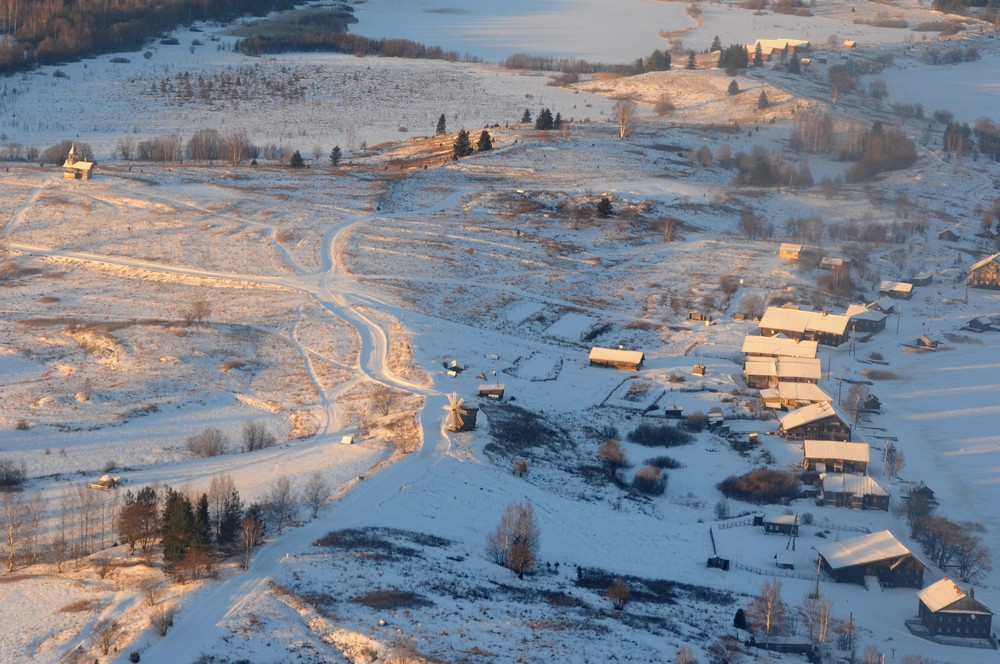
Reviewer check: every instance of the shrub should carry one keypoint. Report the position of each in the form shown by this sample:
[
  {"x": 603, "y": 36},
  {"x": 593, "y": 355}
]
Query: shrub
[
  {"x": 664, "y": 462},
  {"x": 162, "y": 619},
  {"x": 604, "y": 207},
  {"x": 761, "y": 485},
  {"x": 695, "y": 422},
  {"x": 650, "y": 480},
  {"x": 118, "y": 60},
  {"x": 612, "y": 455},
  {"x": 59, "y": 73},
  {"x": 133, "y": 657},
  {"x": 392, "y": 600},
  {"x": 12, "y": 474},
  {"x": 170, "y": 41},
  {"x": 208, "y": 443},
  {"x": 22, "y": 425},
  {"x": 663, "y": 435}
]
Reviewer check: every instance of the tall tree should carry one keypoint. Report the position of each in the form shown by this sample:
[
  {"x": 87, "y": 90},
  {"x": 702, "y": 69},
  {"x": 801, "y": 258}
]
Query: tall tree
[
  {"x": 485, "y": 142},
  {"x": 296, "y": 160},
  {"x": 441, "y": 126},
  {"x": 526, "y": 116},
  {"x": 544, "y": 120},
  {"x": 623, "y": 113},
  {"x": 767, "y": 610},
  {"x": 335, "y": 155},
  {"x": 716, "y": 45},
  {"x": 252, "y": 531},
  {"x": 758, "y": 55},
  {"x": 692, "y": 63},
  {"x": 794, "y": 66},
  {"x": 177, "y": 530},
  {"x": 13, "y": 511},
  {"x": 232, "y": 515},
  {"x": 462, "y": 146}
]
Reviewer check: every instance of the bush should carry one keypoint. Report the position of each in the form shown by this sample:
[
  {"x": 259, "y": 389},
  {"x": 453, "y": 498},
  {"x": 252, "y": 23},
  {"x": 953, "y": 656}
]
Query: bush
[
  {"x": 761, "y": 485},
  {"x": 22, "y": 425},
  {"x": 664, "y": 462},
  {"x": 208, "y": 443},
  {"x": 170, "y": 41},
  {"x": 256, "y": 436},
  {"x": 612, "y": 455},
  {"x": 650, "y": 480},
  {"x": 695, "y": 422},
  {"x": 12, "y": 474},
  {"x": 122, "y": 61},
  {"x": 663, "y": 435},
  {"x": 133, "y": 656}
]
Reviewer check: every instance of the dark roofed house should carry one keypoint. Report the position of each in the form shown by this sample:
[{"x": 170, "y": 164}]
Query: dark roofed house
[
  {"x": 782, "y": 524},
  {"x": 946, "y": 610},
  {"x": 865, "y": 320},
  {"x": 879, "y": 555},
  {"x": 948, "y": 235},
  {"x": 980, "y": 324},
  {"x": 986, "y": 273}
]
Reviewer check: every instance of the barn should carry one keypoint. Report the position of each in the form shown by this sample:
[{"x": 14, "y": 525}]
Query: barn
[
  {"x": 898, "y": 290},
  {"x": 626, "y": 360},
  {"x": 945, "y": 609},
  {"x": 828, "y": 329},
  {"x": 818, "y": 421},
  {"x": 878, "y": 556},
  {"x": 859, "y": 492}
]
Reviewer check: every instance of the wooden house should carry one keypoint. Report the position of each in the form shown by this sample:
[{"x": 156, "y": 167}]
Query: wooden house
[
  {"x": 789, "y": 251},
  {"x": 925, "y": 341},
  {"x": 947, "y": 610},
  {"x": 626, "y": 360},
  {"x": 763, "y": 372},
  {"x": 948, "y": 235},
  {"x": 884, "y": 305},
  {"x": 77, "y": 169},
  {"x": 820, "y": 326},
  {"x": 700, "y": 316},
  {"x": 859, "y": 492},
  {"x": 834, "y": 263},
  {"x": 898, "y": 290},
  {"x": 838, "y": 456},
  {"x": 980, "y": 324},
  {"x": 879, "y": 555},
  {"x": 776, "y": 48},
  {"x": 491, "y": 391},
  {"x": 755, "y": 345},
  {"x": 985, "y": 273},
  {"x": 782, "y": 524},
  {"x": 797, "y": 395},
  {"x": 818, "y": 421},
  {"x": 923, "y": 279},
  {"x": 865, "y": 320}
]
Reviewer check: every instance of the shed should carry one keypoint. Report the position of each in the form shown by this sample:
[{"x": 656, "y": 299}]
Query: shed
[
  {"x": 790, "y": 251},
  {"x": 627, "y": 360},
  {"x": 980, "y": 324},
  {"x": 833, "y": 263},
  {"x": 838, "y": 456},
  {"x": 347, "y": 439},
  {"x": 985, "y": 273},
  {"x": 853, "y": 491},
  {"x": 106, "y": 483},
  {"x": 877, "y": 554},
  {"x": 925, "y": 342},
  {"x": 491, "y": 390},
  {"x": 770, "y": 398},
  {"x": 818, "y": 421},
  {"x": 898, "y": 290},
  {"x": 947, "y": 610},
  {"x": 782, "y": 524},
  {"x": 884, "y": 304},
  {"x": 700, "y": 316},
  {"x": 948, "y": 235}
]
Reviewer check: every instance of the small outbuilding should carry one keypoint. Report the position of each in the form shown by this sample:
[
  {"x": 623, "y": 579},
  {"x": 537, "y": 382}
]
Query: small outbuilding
[
  {"x": 948, "y": 235},
  {"x": 838, "y": 456},
  {"x": 859, "y": 492},
  {"x": 627, "y": 360},
  {"x": 925, "y": 341},
  {"x": 789, "y": 251},
  {"x": 865, "y": 320},
  {"x": 980, "y": 324},
  {"x": 782, "y": 524},
  {"x": 947, "y": 610},
  {"x": 491, "y": 391},
  {"x": 898, "y": 290}
]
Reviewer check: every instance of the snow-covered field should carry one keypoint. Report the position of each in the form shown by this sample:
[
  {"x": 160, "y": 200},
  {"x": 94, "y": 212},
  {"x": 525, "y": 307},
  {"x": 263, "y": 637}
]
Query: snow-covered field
[{"x": 332, "y": 288}]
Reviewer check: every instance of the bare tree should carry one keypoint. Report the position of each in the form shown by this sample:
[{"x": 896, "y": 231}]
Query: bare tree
[
  {"x": 198, "y": 310},
  {"x": 162, "y": 618},
  {"x": 86, "y": 512},
  {"x": 316, "y": 492},
  {"x": 618, "y": 593},
  {"x": 33, "y": 523},
  {"x": 612, "y": 455},
  {"x": 14, "y": 514},
  {"x": 894, "y": 460},
  {"x": 726, "y": 650},
  {"x": 767, "y": 610},
  {"x": 256, "y": 436},
  {"x": 280, "y": 502},
  {"x": 515, "y": 541},
  {"x": 251, "y": 534},
  {"x": 973, "y": 560},
  {"x": 685, "y": 656},
  {"x": 209, "y": 443},
  {"x": 106, "y": 633},
  {"x": 623, "y": 113},
  {"x": 237, "y": 147},
  {"x": 814, "y": 612},
  {"x": 219, "y": 488},
  {"x": 126, "y": 147}
]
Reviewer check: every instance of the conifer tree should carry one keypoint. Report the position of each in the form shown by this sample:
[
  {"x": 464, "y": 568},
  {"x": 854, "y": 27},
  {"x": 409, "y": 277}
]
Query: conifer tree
[
  {"x": 734, "y": 87},
  {"x": 296, "y": 160},
  {"x": 335, "y": 155},
  {"x": 794, "y": 66},
  {"x": 758, "y": 55},
  {"x": 232, "y": 516},
  {"x": 716, "y": 45},
  {"x": 692, "y": 63},
  {"x": 544, "y": 120},
  {"x": 462, "y": 146},
  {"x": 177, "y": 529},
  {"x": 441, "y": 126},
  {"x": 527, "y": 116},
  {"x": 762, "y": 101},
  {"x": 485, "y": 142}
]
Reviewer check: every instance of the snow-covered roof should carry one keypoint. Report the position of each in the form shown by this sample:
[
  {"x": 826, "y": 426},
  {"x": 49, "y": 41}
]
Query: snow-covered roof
[
  {"x": 831, "y": 261},
  {"x": 895, "y": 286},
  {"x": 799, "y": 367},
  {"x": 857, "y": 485},
  {"x": 807, "y": 414},
  {"x": 939, "y": 596},
  {"x": 883, "y": 304},
  {"x": 796, "y": 320},
  {"x": 985, "y": 261},
  {"x": 862, "y": 550},
  {"x": 783, "y": 519},
  {"x": 769, "y": 45},
  {"x": 861, "y": 312},
  {"x": 802, "y": 392},
  {"x": 789, "y": 247},
  {"x": 755, "y": 344},
  {"x": 599, "y": 354},
  {"x": 835, "y": 449}
]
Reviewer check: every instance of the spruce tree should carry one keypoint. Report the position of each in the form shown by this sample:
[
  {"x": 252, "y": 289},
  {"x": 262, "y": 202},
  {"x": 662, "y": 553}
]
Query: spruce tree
[
  {"x": 335, "y": 155},
  {"x": 232, "y": 516},
  {"x": 296, "y": 160},
  {"x": 202, "y": 525},
  {"x": 462, "y": 146},
  {"x": 604, "y": 207},
  {"x": 692, "y": 63},
  {"x": 758, "y": 55},
  {"x": 527, "y": 116},
  {"x": 177, "y": 529},
  {"x": 762, "y": 102},
  {"x": 716, "y": 45},
  {"x": 557, "y": 123},
  {"x": 485, "y": 142},
  {"x": 659, "y": 61},
  {"x": 794, "y": 66},
  {"x": 544, "y": 120},
  {"x": 734, "y": 88},
  {"x": 441, "y": 126}
]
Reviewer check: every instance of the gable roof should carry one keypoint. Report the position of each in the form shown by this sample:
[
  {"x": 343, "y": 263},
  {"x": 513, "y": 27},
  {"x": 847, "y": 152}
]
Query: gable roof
[
  {"x": 832, "y": 449},
  {"x": 862, "y": 312},
  {"x": 861, "y": 550},
  {"x": 856, "y": 485},
  {"x": 939, "y": 596},
  {"x": 811, "y": 413},
  {"x": 895, "y": 286},
  {"x": 802, "y": 392},
  {"x": 989, "y": 259},
  {"x": 809, "y": 368},
  {"x": 615, "y": 355},
  {"x": 798, "y": 321},
  {"x": 754, "y": 344}
]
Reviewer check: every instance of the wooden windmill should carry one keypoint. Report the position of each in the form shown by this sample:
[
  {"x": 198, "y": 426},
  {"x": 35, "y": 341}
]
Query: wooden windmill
[{"x": 459, "y": 418}]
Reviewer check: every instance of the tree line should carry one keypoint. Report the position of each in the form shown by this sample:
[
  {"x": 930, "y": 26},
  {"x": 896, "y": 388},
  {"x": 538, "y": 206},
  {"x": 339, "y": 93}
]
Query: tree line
[
  {"x": 344, "y": 42},
  {"x": 41, "y": 32}
]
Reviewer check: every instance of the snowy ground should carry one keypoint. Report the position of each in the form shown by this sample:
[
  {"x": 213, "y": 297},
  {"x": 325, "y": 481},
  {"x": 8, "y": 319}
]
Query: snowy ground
[{"x": 327, "y": 283}]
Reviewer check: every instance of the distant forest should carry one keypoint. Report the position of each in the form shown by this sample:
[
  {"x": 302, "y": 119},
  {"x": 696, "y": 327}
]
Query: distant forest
[{"x": 40, "y": 32}]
